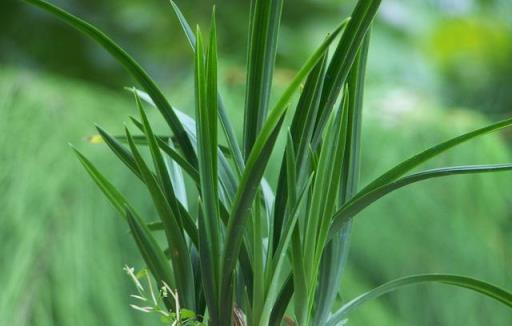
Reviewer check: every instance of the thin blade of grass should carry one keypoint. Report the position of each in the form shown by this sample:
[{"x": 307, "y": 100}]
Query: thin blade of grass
[
  {"x": 272, "y": 290},
  {"x": 407, "y": 165},
  {"x": 180, "y": 257},
  {"x": 357, "y": 204},
  {"x": 206, "y": 131},
  {"x": 158, "y": 161},
  {"x": 179, "y": 160},
  {"x": 286, "y": 195},
  {"x": 120, "y": 151},
  {"x": 208, "y": 277},
  {"x": 138, "y": 139},
  {"x": 336, "y": 252},
  {"x": 249, "y": 185},
  {"x": 141, "y": 140},
  {"x": 263, "y": 37},
  {"x": 171, "y": 152},
  {"x": 114, "y": 196},
  {"x": 258, "y": 264},
  {"x": 343, "y": 59},
  {"x": 152, "y": 254},
  {"x": 484, "y": 288},
  {"x": 182, "y": 216},
  {"x": 282, "y": 301},
  {"x": 223, "y": 116},
  {"x": 301, "y": 130},
  {"x": 323, "y": 202},
  {"x": 325, "y": 187}
]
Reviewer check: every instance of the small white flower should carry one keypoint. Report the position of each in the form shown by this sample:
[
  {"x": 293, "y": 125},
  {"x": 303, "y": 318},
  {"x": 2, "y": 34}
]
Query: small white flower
[
  {"x": 143, "y": 309},
  {"x": 131, "y": 272},
  {"x": 138, "y": 297}
]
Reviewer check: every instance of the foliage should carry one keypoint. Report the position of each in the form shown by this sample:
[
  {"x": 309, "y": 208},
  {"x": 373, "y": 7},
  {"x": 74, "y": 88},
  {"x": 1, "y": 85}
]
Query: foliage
[{"x": 247, "y": 252}]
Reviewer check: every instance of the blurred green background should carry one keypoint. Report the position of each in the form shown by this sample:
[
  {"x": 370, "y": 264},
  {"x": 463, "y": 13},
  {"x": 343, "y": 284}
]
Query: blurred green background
[{"x": 437, "y": 68}]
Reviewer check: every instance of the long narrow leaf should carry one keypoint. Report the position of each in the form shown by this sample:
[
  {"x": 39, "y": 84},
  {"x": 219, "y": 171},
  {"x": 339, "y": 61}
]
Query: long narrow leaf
[
  {"x": 263, "y": 35},
  {"x": 206, "y": 131},
  {"x": 133, "y": 67},
  {"x": 407, "y": 165},
  {"x": 356, "y": 205},
  {"x": 121, "y": 152},
  {"x": 336, "y": 252},
  {"x": 164, "y": 146},
  {"x": 280, "y": 254},
  {"x": 240, "y": 211},
  {"x": 484, "y": 288},
  {"x": 223, "y": 116},
  {"x": 180, "y": 257},
  {"x": 343, "y": 59},
  {"x": 115, "y": 197},
  {"x": 153, "y": 255},
  {"x": 151, "y": 252},
  {"x": 301, "y": 131}
]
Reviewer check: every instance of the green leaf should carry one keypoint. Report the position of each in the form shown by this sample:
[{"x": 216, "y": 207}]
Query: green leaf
[
  {"x": 182, "y": 216},
  {"x": 356, "y": 205},
  {"x": 115, "y": 197},
  {"x": 141, "y": 139},
  {"x": 158, "y": 161},
  {"x": 265, "y": 18},
  {"x": 325, "y": 188},
  {"x": 255, "y": 167},
  {"x": 121, "y": 152},
  {"x": 240, "y": 211},
  {"x": 180, "y": 255},
  {"x": 301, "y": 131},
  {"x": 343, "y": 59},
  {"x": 171, "y": 152},
  {"x": 153, "y": 255},
  {"x": 206, "y": 131},
  {"x": 407, "y": 165},
  {"x": 336, "y": 252},
  {"x": 180, "y": 160},
  {"x": 151, "y": 252},
  {"x": 223, "y": 116},
  {"x": 206, "y": 261},
  {"x": 133, "y": 67},
  {"x": 226, "y": 176},
  {"x": 282, "y": 302},
  {"x": 185, "y": 25},
  {"x": 281, "y": 106},
  {"x": 478, "y": 286},
  {"x": 278, "y": 260}
]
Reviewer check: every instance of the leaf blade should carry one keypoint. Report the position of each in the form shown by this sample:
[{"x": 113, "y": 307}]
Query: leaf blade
[
  {"x": 264, "y": 25},
  {"x": 478, "y": 286},
  {"x": 132, "y": 66},
  {"x": 357, "y": 204},
  {"x": 431, "y": 152}
]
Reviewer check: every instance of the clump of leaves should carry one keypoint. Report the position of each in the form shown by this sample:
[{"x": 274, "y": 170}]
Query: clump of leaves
[{"x": 254, "y": 254}]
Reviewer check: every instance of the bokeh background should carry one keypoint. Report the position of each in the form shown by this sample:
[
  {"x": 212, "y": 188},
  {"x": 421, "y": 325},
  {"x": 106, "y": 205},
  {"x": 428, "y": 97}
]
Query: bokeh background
[{"x": 437, "y": 68}]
